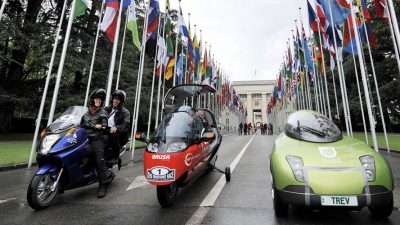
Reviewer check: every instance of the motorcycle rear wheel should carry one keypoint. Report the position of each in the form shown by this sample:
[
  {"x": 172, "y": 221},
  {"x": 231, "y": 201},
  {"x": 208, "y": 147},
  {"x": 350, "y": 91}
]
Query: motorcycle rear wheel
[
  {"x": 39, "y": 193},
  {"x": 166, "y": 194}
]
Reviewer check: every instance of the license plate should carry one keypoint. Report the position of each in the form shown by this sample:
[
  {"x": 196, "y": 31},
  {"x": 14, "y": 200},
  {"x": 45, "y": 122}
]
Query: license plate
[{"x": 339, "y": 201}]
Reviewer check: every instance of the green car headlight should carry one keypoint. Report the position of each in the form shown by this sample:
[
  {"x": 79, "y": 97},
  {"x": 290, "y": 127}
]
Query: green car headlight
[
  {"x": 368, "y": 163},
  {"x": 296, "y": 164}
]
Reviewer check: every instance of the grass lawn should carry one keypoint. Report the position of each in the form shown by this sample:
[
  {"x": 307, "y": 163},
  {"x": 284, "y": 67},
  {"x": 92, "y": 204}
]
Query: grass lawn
[
  {"x": 16, "y": 149},
  {"x": 394, "y": 139}
]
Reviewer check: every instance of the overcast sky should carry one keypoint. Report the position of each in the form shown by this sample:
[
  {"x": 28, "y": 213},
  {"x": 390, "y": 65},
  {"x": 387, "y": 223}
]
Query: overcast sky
[{"x": 246, "y": 37}]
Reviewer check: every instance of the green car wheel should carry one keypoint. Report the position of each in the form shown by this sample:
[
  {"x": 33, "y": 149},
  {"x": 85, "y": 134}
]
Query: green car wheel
[
  {"x": 281, "y": 209},
  {"x": 382, "y": 211}
]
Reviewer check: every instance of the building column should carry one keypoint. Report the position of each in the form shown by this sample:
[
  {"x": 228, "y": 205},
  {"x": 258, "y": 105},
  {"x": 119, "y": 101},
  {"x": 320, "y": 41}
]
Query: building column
[
  {"x": 250, "y": 113},
  {"x": 263, "y": 108}
]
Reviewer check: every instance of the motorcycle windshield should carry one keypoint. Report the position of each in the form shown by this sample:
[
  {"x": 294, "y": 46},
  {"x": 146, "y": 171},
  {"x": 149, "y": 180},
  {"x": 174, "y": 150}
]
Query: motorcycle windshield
[
  {"x": 312, "y": 126},
  {"x": 70, "y": 118},
  {"x": 177, "y": 131}
]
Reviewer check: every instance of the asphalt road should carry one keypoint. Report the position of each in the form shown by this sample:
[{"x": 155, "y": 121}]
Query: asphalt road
[{"x": 209, "y": 200}]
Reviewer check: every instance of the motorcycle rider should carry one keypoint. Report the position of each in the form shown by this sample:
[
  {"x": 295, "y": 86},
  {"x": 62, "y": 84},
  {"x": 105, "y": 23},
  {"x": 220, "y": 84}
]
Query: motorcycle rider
[
  {"x": 94, "y": 121},
  {"x": 118, "y": 124}
]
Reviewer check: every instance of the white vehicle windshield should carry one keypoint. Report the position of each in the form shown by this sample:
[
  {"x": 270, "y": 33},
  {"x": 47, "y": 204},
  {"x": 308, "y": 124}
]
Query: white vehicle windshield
[{"x": 312, "y": 126}]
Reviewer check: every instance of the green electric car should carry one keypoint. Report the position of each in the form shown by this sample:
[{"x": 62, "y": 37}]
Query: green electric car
[{"x": 312, "y": 164}]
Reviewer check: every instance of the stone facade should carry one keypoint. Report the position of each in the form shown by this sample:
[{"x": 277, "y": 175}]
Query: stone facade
[{"x": 255, "y": 95}]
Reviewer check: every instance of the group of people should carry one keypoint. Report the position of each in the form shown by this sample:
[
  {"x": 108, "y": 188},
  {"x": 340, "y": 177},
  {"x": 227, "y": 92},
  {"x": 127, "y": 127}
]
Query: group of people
[
  {"x": 246, "y": 129},
  {"x": 105, "y": 126}
]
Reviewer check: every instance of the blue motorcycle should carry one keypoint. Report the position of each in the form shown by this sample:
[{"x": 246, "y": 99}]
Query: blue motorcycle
[{"x": 61, "y": 159}]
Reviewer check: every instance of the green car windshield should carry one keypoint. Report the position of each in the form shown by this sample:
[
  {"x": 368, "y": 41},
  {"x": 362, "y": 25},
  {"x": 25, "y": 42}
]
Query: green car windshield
[{"x": 312, "y": 126}]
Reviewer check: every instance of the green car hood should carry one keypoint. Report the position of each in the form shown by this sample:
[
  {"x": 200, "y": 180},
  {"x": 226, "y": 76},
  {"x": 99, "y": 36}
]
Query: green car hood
[{"x": 332, "y": 168}]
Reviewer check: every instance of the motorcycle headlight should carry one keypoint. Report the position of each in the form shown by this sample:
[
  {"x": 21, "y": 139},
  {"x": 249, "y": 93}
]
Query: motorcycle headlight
[
  {"x": 176, "y": 147},
  {"x": 152, "y": 147},
  {"x": 47, "y": 142},
  {"x": 296, "y": 164},
  {"x": 368, "y": 163}
]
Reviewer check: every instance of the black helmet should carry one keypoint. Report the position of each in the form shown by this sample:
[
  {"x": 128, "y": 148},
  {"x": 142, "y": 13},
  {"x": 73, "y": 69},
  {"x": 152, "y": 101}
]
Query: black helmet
[
  {"x": 98, "y": 93},
  {"x": 120, "y": 94}
]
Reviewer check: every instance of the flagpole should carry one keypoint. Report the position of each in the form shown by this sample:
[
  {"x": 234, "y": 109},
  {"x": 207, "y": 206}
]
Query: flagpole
[
  {"x": 301, "y": 83},
  {"x": 358, "y": 88},
  {"x": 46, "y": 86},
  {"x": 393, "y": 16},
  {"x": 176, "y": 46},
  {"x": 3, "y": 5},
  {"x": 153, "y": 81},
  {"x": 113, "y": 55},
  {"x": 93, "y": 55},
  {"x": 396, "y": 47},
  {"x": 61, "y": 63},
  {"x": 160, "y": 74},
  {"x": 339, "y": 70},
  {"x": 122, "y": 52},
  {"x": 187, "y": 53},
  {"x": 199, "y": 75},
  {"x": 364, "y": 79},
  {"x": 323, "y": 65},
  {"x": 376, "y": 83},
  {"x": 310, "y": 105},
  {"x": 139, "y": 83},
  {"x": 346, "y": 100}
]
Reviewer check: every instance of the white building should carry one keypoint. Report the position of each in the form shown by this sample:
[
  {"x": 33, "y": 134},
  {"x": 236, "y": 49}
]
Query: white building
[{"x": 255, "y": 96}]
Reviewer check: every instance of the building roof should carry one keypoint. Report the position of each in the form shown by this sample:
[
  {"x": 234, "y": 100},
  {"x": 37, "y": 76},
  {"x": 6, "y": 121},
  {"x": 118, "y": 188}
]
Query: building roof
[{"x": 253, "y": 82}]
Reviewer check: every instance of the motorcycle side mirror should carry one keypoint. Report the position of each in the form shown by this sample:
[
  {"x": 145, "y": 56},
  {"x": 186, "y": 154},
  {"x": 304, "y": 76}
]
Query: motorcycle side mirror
[
  {"x": 140, "y": 137},
  {"x": 209, "y": 137}
]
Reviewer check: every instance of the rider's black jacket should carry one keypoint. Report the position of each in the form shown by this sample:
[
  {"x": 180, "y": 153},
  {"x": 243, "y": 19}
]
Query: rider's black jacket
[
  {"x": 122, "y": 118},
  {"x": 89, "y": 121}
]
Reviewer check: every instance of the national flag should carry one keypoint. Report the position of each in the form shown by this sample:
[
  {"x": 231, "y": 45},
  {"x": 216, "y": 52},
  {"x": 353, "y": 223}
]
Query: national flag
[
  {"x": 381, "y": 9},
  {"x": 183, "y": 30},
  {"x": 81, "y": 6},
  {"x": 109, "y": 23},
  {"x": 132, "y": 24},
  {"x": 307, "y": 53},
  {"x": 170, "y": 68},
  {"x": 204, "y": 65},
  {"x": 153, "y": 16},
  {"x": 340, "y": 10},
  {"x": 312, "y": 18},
  {"x": 127, "y": 3},
  {"x": 322, "y": 16},
  {"x": 179, "y": 68},
  {"x": 161, "y": 55},
  {"x": 363, "y": 7}
]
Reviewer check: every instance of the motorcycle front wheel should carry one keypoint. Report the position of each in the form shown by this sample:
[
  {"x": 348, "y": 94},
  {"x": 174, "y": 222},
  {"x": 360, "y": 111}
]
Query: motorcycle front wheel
[
  {"x": 41, "y": 192},
  {"x": 166, "y": 194}
]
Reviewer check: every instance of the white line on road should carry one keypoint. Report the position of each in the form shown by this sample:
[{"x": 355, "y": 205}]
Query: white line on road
[
  {"x": 139, "y": 181},
  {"x": 7, "y": 200},
  {"x": 212, "y": 196}
]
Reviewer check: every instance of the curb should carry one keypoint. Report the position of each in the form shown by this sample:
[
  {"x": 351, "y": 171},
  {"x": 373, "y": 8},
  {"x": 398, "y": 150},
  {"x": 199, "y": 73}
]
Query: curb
[
  {"x": 396, "y": 151},
  {"x": 16, "y": 166},
  {"x": 25, "y": 165}
]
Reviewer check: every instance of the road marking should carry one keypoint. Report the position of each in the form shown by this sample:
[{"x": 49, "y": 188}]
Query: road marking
[
  {"x": 212, "y": 196},
  {"x": 139, "y": 181},
  {"x": 198, "y": 216},
  {"x": 7, "y": 200}
]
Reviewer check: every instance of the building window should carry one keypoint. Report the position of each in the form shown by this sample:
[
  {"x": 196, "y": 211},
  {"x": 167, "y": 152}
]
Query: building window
[
  {"x": 256, "y": 103},
  {"x": 242, "y": 96},
  {"x": 268, "y": 95},
  {"x": 256, "y": 95}
]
